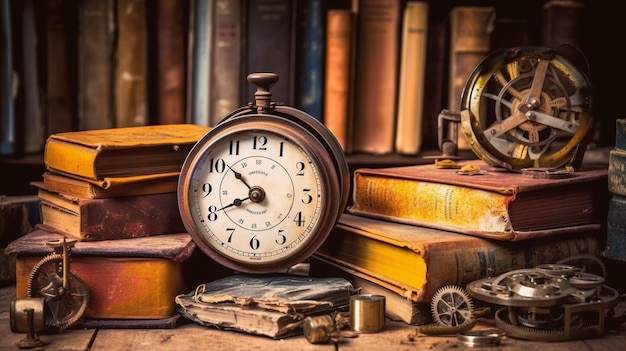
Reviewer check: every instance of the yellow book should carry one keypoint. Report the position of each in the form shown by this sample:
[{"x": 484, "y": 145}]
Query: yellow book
[
  {"x": 121, "y": 152},
  {"x": 417, "y": 261},
  {"x": 495, "y": 203},
  {"x": 412, "y": 71},
  {"x": 111, "y": 187}
]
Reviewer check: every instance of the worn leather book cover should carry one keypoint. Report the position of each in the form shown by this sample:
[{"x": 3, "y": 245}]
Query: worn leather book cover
[
  {"x": 416, "y": 261},
  {"x": 109, "y": 218},
  {"x": 169, "y": 38},
  {"x": 118, "y": 152},
  {"x": 272, "y": 305},
  {"x": 96, "y": 69},
  {"x": 495, "y": 203},
  {"x": 110, "y": 187},
  {"x": 131, "y": 63},
  {"x": 126, "y": 278},
  {"x": 339, "y": 75},
  {"x": 408, "y": 139},
  {"x": 376, "y": 78}
]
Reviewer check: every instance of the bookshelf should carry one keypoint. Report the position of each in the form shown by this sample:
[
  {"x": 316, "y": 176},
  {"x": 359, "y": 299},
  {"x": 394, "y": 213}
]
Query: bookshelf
[{"x": 20, "y": 168}]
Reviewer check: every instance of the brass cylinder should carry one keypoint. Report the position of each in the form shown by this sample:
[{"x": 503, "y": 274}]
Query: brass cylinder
[
  {"x": 19, "y": 317},
  {"x": 318, "y": 329},
  {"x": 367, "y": 313}
]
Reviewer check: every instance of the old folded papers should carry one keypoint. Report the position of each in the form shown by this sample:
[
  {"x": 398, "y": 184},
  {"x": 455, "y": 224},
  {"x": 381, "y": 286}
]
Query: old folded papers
[{"x": 274, "y": 306}]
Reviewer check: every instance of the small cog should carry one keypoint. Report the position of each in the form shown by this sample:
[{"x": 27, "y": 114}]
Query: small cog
[
  {"x": 65, "y": 305},
  {"x": 452, "y": 306}
]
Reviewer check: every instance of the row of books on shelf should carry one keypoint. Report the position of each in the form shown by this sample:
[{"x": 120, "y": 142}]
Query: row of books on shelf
[
  {"x": 409, "y": 231},
  {"x": 376, "y": 72}
]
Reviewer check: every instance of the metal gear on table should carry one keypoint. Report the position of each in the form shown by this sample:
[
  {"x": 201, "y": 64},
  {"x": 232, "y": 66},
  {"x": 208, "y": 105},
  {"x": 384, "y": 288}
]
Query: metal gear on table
[
  {"x": 452, "y": 306},
  {"x": 65, "y": 305}
]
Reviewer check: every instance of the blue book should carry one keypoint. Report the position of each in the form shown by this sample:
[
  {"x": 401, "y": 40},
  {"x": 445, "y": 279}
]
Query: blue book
[{"x": 311, "y": 30}]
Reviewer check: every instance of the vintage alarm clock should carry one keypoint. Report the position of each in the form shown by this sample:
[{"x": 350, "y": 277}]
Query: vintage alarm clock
[
  {"x": 529, "y": 108},
  {"x": 261, "y": 191}
]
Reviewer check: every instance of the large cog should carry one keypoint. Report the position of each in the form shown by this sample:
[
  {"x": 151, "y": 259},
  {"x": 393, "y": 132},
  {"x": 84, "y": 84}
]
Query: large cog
[
  {"x": 452, "y": 306},
  {"x": 65, "y": 306}
]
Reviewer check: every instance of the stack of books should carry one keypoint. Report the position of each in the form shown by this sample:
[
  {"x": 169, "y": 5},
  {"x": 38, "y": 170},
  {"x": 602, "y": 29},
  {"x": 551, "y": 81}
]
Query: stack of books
[
  {"x": 113, "y": 191},
  {"x": 412, "y": 230},
  {"x": 616, "y": 219}
]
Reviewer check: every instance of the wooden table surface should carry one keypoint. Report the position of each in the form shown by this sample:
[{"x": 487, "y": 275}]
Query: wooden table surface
[{"x": 191, "y": 336}]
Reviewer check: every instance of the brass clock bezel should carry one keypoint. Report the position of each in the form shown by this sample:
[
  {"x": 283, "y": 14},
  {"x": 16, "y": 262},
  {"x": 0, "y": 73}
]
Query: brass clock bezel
[
  {"x": 530, "y": 131},
  {"x": 308, "y": 134}
]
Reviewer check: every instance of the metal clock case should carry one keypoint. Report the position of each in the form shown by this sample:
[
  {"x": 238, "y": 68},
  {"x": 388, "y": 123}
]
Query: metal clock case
[
  {"x": 529, "y": 107},
  {"x": 262, "y": 190}
]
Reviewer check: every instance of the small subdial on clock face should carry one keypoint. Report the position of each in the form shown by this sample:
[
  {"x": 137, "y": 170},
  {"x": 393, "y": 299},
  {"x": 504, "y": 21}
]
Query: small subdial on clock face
[{"x": 257, "y": 194}]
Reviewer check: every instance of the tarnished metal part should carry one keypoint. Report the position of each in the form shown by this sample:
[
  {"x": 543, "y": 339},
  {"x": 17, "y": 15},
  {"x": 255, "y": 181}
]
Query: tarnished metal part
[
  {"x": 528, "y": 107},
  {"x": 548, "y": 303},
  {"x": 65, "y": 294}
]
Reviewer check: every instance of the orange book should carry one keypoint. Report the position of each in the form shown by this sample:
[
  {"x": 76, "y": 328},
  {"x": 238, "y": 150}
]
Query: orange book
[
  {"x": 415, "y": 261},
  {"x": 497, "y": 203},
  {"x": 111, "y": 187},
  {"x": 376, "y": 91},
  {"x": 126, "y": 278},
  {"x": 338, "y": 88},
  {"x": 119, "y": 152}
]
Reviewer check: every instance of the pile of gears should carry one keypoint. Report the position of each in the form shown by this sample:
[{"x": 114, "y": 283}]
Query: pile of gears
[{"x": 551, "y": 302}]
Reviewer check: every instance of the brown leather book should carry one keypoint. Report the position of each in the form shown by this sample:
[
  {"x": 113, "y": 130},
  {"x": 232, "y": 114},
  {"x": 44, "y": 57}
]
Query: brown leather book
[
  {"x": 376, "y": 91},
  {"x": 338, "y": 82},
  {"x": 109, "y": 218},
  {"x": 170, "y": 33},
  {"x": 131, "y": 68}
]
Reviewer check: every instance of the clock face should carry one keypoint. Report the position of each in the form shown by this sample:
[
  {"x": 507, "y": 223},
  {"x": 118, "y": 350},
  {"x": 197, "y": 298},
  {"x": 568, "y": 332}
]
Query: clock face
[{"x": 256, "y": 196}]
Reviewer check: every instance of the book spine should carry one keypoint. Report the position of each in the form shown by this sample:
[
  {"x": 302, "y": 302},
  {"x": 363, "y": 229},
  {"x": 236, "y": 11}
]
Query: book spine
[
  {"x": 31, "y": 127},
  {"x": 412, "y": 71},
  {"x": 131, "y": 74},
  {"x": 562, "y": 23},
  {"x": 270, "y": 41},
  {"x": 310, "y": 48},
  {"x": 95, "y": 65},
  {"x": 470, "y": 40},
  {"x": 616, "y": 229},
  {"x": 7, "y": 122},
  {"x": 616, "y": 172},
  {"x": 170, "y": 51},
  {"x": 438, "y": 205},
  {"x": 434, "y": 82},
  {"x": 60, "y": 61},
  {"x": 338, "y": 78},
  {"x": 378, "y": 26},
  {"x": 199, "y": 62},
  {"x": 226, "y": 50},
  {"x": 70, "y": 158}
]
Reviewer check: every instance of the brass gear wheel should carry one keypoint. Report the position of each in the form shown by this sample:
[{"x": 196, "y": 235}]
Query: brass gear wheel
[
  {"x": 452, "y": 306},
  {"x": 64, "y": 306}
]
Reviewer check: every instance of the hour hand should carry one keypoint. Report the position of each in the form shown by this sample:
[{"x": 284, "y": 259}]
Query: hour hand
[
  {"x": 238, "y": 176},
  {"x": 236, "y": 202}
]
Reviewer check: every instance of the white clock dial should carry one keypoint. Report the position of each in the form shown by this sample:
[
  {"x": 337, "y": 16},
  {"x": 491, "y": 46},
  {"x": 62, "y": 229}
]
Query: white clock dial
[{"x": 256, "y": 196}]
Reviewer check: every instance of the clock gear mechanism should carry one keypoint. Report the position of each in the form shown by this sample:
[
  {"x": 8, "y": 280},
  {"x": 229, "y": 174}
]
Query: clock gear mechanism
[
  {"x": 65, "y": 296},
  {"x": 261, "y": 191},
  {"x": 526, "y": 108}
]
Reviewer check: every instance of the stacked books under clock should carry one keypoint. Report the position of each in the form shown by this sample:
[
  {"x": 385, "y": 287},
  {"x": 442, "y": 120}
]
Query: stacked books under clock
[
  {"x": 412, "y": 231},
  {"x": 616, "y": 219},
  {"x": 112, "y": 192}
]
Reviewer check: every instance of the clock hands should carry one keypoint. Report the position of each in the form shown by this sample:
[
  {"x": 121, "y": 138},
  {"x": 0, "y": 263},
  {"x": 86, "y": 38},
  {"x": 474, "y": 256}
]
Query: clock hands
[
  {"x": 236, "y": 202},
  {"x": 238, "y": 176},
  {"x": 255, "y": 193}
]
